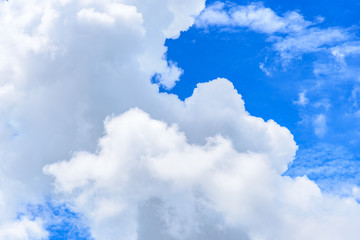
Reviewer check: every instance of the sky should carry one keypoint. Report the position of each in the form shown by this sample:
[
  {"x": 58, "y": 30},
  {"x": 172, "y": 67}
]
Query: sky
[{"x": 179, "y": 120}]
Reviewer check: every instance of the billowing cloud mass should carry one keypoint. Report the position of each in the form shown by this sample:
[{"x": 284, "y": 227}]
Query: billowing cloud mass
[
  {"x": 64, "y": 67},
  {"x": 140, "y": 158},
  {"x": 202, "y": 168}
]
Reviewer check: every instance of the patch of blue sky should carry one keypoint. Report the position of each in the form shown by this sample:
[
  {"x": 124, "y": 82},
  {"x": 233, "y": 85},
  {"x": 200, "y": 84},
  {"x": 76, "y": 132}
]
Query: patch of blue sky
[
  {"x": 332, "y": 167},
  {"x": 61, "y": 222},
  {"x": 314, "y": 94}
]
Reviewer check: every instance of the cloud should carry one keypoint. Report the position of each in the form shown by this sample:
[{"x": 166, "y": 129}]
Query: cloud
[
  {"x": 291, "y": 35},
  {"x": 346, "y": 49},
  {"x": 320, "y": 126},
  {"x": 333, "y": 168},
  {"x": 64, "y": 67},
  {"x": 140, "y": 158},
  {"x": 310, "y": 40},
  {"x": 142, "y": 163},
  {"x": 169, "y": 165},
  {"x": 214, "y": 14},
  {"x": 158, "y": 160},
  {"x": 23, "y": 229},
  {"x": 253, "y": 16},
  {"x": 303, "y": 100},
  {"x": 192, "y": 169}
]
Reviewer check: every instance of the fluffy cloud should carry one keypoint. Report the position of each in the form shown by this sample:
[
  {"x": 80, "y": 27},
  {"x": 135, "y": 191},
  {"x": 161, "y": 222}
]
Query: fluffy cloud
[
  {"x": 24, "y": 229},
  {"x": 143, "y": 164},
  {"x": 141, "y": 159},
  {"x": 65, "y": 66}
]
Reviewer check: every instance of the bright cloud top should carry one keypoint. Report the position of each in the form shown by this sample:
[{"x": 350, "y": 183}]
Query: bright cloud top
[
  {"x": 173, "y": 170},
  {"x": 141, "y": 159}
]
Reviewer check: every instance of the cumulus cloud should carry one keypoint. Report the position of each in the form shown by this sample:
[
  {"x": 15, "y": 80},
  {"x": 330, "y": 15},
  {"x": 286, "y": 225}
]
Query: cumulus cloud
[
  {"x": 145, "y": 161},
  {"x": 151, "y": 158},
  {"x": 65, "y": 66}
]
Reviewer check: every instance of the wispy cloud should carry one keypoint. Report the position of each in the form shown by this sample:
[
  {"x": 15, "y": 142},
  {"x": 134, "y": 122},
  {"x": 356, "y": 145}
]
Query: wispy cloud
[
  {"x": 333, "y": 167},
  {"x": 302, "y": 100},
  {"x": 254, "y": 16},
  {"x": 320, "y": 126},
  {"x": 346, "y": 49}
]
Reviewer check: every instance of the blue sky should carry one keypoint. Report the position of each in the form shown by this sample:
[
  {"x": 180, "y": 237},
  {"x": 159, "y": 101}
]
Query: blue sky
[
  {"x": 180, "y": 120},
  {"x": 236, "y": 53}
]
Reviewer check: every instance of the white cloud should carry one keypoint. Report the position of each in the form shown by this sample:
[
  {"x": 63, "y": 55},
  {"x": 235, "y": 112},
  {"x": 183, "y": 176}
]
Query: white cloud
[
  {"x": 184, "y": 13},
  {"x": 141, "y": 159},
  {"x": 254, "y": 16},
  {"x": 160, "y": 161},
  {"x": 310, "y": 40},
  {"x": 214, "y": 15},
  {"x": 23, "y": 229},
  {"x": 92, "y": 17},
  {"x": 303, "y": 100},
  {"x": 346, "y": 49},
  {"x": 259, "y": 18},
  {"x": 291, "y": 34},
  {"x": 65, "y": 66},
  {"x": 169, "y": 76},
  {"x": 320, "y": 126},
  {"x": 322, "y": 103}
]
